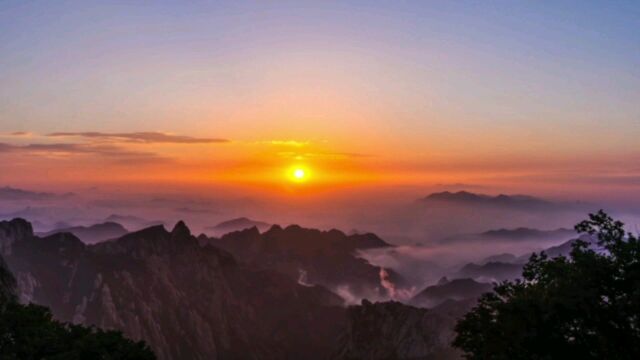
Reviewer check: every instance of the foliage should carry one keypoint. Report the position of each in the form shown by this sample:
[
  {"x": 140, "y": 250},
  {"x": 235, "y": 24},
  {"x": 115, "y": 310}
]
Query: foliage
[{"x": 585, "y": 306}]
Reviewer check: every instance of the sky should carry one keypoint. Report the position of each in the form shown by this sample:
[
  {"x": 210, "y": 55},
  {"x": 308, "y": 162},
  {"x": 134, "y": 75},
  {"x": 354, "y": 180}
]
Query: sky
[{"x": 531, "y": 96}]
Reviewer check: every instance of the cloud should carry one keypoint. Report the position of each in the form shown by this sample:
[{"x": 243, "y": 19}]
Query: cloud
[
  {"x": 148, "y": 137},
  {"x": 20, "y": 133},
  {"x": 324, "y": 154},
  {"x": 290, "y": 143},
  {"x": 115, "y": 153}
]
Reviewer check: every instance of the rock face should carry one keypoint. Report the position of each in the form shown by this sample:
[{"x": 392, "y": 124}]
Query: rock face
[
  {"x": 327, "y": 258},
  {"x": 392, "y": 330},
  {"x": 184, "y": 300},
  {"x": 7, "y": 284},
  {"x": 12, "y": 231}
]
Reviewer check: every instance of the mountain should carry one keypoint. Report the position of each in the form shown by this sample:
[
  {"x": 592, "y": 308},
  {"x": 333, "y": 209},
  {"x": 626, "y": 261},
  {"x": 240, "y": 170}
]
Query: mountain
[
  {"x": 523, "y": 233},
  {"x": 29, "y": 332},
  {"x": 132, "y": 222},
  {"x": 8, "y": 193},
  {"x": 186, "y": 301},
  {"x": 513, "y": 235},
  {"x": 311, "y": 256},
  {"x": 94, "y": 233},
  {"x": 509, "y": 267},
  {"x": 12, "y": 232},
  {"x": 237, "y": 225},
  {"x": 503, "y": 258},
  {"x": 490, "y": 271},
  {"x": 560, "y": 250},
  {"x": 457, "y": 289},
  {"x": 7, "y": 284},
  {"x": 391, "y": 330},
  {"x": 523, "y": 202}
]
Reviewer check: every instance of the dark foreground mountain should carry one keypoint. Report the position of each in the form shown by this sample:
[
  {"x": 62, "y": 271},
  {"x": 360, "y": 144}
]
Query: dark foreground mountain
[
  {"x": 310, "y": 256},
  {"x": 392, "y": 330},
  {"x": 185, "y": 301},
  {"x": 28, "y": 332},
  {"x": 92, "y": 234}
]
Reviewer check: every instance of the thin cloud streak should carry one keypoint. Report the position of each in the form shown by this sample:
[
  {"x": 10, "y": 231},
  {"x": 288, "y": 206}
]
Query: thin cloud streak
[
  {"x": 116, "y": 153},
  {"x": 147, "y": 137}
]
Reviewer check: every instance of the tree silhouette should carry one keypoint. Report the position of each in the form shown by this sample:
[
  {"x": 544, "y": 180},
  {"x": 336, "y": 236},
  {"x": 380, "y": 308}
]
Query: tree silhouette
[{"x": 585, "y": 306}]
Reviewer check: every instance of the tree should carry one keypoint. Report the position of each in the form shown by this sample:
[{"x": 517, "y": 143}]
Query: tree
[{"x": 585, "y": 306}]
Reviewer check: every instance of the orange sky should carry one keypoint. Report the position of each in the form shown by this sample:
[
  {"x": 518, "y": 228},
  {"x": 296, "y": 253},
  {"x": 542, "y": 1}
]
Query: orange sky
[{"x": 234, "y": 95}]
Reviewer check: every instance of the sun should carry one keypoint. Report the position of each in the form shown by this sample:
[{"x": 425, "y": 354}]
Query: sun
[{"x": 298, "y": 174}]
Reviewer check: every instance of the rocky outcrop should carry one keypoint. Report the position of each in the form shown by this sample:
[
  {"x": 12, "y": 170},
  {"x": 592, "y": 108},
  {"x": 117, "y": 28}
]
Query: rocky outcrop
[
  {"x": 13, "y": 231},
  {"x": 392, "y": 330}
]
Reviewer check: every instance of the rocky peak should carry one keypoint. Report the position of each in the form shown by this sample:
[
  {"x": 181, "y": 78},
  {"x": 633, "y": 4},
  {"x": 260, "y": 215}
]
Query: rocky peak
[
  {"x": 180, "y": 230},
  {"x": 13, "y": 231}
]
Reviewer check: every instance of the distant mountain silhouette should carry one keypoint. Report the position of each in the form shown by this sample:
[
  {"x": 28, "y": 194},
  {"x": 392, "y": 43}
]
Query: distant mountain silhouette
[
  {"x": 490, "y": 271},
  {"x": 509, "y": 201},
  {"x": 94, "y": 233},
  {"x": 132, "y": 222},
  {"x": 237, "y": 224},
  {"x": 8, "y": 193},
  {"x": 517, "y": 234},
  {"x": 508, "y": 266},
  {"x": 560, "y": 250},
  {"x": 457, "y": 289},
  {"x": 503, "y": 258},
  {"x": 527, "y": 233}
]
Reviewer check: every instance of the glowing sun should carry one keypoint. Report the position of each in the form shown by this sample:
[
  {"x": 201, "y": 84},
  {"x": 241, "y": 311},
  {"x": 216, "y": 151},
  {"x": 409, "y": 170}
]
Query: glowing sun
[{"x": 298, "y": 174}]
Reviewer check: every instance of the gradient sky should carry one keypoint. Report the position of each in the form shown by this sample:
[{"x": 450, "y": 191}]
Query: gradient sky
[{"x": 541, "y": 94}]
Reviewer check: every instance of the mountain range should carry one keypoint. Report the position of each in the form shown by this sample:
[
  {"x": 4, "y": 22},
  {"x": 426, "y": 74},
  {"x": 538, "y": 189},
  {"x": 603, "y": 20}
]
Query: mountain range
[
  {"x": 241, "y": 296},
  {"x": 184, "y": 300}
]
